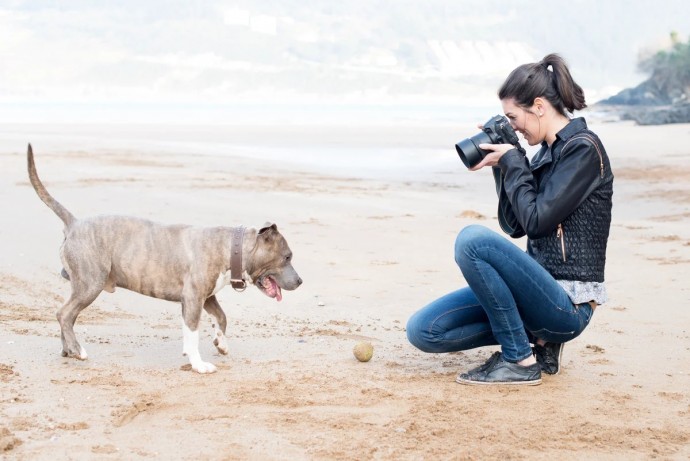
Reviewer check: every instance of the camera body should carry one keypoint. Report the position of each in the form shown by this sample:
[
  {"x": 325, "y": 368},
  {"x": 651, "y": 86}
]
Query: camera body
[{"x": 496, "y": 130}]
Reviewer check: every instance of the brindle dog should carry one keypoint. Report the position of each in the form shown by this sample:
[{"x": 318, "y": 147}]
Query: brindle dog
[{"x": 178, "y": 263}]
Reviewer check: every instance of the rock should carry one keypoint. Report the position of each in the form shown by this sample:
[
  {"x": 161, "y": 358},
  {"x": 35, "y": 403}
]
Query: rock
[
  {"x": 676, "y": 113},
  {"x": 645, "y": 94},
  {"x": 652, "y": 102}
]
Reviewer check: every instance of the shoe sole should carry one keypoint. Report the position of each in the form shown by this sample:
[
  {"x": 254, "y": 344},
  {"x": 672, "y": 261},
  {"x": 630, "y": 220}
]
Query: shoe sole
[{"x": 533, "y": 382}]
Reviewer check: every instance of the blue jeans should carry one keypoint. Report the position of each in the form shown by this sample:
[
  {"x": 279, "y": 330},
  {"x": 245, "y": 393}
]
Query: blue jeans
[{"x": 511, "y": 300}]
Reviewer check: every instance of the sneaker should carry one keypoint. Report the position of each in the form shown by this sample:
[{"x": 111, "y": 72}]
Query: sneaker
[
  {"x": 549, "y": 357},
  {"x": 490, "y": 361},
  {"x": 498, "y": 371}
]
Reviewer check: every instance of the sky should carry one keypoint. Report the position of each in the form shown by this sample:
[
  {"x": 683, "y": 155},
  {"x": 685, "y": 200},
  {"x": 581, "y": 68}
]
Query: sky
[{"x": 194, "y": 61}]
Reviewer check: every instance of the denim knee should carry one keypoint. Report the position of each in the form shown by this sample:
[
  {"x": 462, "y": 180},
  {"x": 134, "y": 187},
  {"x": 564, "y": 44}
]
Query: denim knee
[
  {"x": 417, "y": 336},
  {"x": 468, "y": 237}
]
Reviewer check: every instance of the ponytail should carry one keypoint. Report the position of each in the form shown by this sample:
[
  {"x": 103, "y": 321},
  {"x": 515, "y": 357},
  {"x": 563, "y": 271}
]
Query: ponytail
[{"x": 549, "y": 79}]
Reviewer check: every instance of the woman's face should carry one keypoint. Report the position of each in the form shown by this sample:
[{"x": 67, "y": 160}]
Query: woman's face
[{"x": 524, "y": 121}]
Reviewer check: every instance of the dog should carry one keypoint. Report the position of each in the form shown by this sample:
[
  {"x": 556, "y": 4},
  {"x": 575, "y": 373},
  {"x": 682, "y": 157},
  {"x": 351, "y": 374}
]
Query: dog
[{"x": 179, "y": 263}]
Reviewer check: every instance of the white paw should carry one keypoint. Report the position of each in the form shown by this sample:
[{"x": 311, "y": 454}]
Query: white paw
[
  {"x": 82, "y": 354},
  {"x": 204, "y": 367}
]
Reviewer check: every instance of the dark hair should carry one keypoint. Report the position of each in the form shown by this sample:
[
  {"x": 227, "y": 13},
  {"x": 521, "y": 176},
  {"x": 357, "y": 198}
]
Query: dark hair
[{"x": 530, "y": 81}]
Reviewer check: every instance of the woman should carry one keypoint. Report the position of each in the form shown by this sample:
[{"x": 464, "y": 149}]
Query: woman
[{"x": 562, "y": 201}]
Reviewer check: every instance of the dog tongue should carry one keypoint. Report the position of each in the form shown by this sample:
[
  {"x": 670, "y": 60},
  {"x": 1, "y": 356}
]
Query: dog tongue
[{"x": 276, "y": 288}]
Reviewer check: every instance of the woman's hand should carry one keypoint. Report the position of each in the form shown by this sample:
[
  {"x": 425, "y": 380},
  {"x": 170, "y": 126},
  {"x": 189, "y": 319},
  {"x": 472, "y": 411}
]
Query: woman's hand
[{"x": 495, "y": 154}]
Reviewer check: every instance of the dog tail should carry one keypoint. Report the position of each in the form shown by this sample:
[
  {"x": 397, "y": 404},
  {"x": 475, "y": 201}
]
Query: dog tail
[{"x": 62, "y": 212}]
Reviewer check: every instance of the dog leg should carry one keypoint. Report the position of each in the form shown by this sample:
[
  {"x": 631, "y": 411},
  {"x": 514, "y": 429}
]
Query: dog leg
[
  {"x": 191, "y": 312},
  {"x": 67, "y": 316},
  {"x": 87, "y": 276},
  {"x": 213, "y": 308}
]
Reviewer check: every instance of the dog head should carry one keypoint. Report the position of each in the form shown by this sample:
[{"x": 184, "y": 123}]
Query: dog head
[{"x": 270, "y": 263}]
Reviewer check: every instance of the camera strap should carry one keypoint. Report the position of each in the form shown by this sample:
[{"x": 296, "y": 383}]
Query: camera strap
[{"x": 504, "y": 207}]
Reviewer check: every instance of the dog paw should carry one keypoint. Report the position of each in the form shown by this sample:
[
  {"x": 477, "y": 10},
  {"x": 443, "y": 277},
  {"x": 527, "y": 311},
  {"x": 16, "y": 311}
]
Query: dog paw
[
  {"x": 204, "y": 367},
  {"x": 221, "y": 344},
  {"x": 222, "y": 348},
  {"x": 82, "y": 354}
]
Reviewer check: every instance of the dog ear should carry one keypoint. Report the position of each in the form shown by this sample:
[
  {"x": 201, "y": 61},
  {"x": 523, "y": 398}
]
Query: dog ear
[{"x": 268, "y": 227}]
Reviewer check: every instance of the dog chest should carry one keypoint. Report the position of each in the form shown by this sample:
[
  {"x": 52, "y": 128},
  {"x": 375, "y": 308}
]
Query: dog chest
[{"x": 222, "y": 280}]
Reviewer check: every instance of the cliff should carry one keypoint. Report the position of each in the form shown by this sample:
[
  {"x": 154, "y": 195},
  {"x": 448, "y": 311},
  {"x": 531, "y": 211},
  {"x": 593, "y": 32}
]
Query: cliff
[
  {"x": 663, "y": 97},
  {"x": 648, "y": 104}
]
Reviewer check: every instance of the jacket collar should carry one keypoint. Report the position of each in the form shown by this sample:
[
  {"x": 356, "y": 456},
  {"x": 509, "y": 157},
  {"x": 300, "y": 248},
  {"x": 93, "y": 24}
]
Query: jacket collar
[
  {"x": 573, "y": 127},
  {"x": 541, "y": 158},
  {"x": 544, "y": 155}
]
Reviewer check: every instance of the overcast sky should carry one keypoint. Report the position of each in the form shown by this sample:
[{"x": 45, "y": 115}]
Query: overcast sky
[{"x": 76, "y": 53}]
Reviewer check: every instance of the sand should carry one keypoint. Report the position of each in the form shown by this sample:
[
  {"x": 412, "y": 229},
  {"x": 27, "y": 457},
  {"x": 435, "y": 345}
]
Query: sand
[{"x": 372, "y": 248}]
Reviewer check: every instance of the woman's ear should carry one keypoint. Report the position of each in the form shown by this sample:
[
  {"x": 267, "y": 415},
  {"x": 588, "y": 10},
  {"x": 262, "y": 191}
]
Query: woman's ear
[{"x": 538, "y": 106}]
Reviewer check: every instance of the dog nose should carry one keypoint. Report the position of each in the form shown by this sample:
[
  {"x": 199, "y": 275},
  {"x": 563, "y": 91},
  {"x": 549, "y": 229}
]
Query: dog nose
[{"x": 299, "y": 281}]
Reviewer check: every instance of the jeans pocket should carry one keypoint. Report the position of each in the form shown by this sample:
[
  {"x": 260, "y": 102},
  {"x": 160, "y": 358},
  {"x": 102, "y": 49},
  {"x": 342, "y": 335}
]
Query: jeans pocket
[
  {"x": 570, "y": 324},
  {"x": 555, "y": 336}
]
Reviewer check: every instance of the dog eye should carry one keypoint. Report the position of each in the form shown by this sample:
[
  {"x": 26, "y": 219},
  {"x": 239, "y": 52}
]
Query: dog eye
[{"x": 288, "y": 257}]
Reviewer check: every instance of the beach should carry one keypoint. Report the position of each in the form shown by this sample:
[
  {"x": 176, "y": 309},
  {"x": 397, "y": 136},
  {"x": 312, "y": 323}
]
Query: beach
[{"x": 371, "y": 214}]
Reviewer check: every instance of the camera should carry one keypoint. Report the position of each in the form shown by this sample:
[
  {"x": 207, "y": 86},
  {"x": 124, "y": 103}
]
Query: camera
[{"x": 496, "y": 130}]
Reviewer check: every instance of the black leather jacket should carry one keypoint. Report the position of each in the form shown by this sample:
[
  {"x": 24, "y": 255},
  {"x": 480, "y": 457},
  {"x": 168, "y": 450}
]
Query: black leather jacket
[{"x": 562, "y": 201}]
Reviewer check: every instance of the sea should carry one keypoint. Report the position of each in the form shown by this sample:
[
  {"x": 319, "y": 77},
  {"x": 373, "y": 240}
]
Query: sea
[{"x": 378, "y": 141}]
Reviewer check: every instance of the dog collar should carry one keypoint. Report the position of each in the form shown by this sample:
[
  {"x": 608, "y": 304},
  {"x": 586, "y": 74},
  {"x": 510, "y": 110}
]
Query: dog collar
[{"x": 236, "y": 279}]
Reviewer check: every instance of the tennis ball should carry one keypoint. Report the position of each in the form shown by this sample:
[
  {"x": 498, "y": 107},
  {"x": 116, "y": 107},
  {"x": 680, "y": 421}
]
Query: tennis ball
[{"x": 363, "y": 351}]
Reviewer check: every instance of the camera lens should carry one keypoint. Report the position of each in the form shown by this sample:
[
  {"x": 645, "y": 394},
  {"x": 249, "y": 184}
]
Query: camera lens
[{"x": 469, "y": 151}]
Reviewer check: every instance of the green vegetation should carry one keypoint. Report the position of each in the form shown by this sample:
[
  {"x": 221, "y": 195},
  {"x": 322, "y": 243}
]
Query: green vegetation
[{"x": 670, "y": 69}]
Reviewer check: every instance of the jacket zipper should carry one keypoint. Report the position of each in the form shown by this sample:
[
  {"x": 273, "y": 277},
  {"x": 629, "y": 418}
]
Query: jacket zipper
[
  {"x": 601, "y": 163},
  {"x": 560, "y": 233},
  {"x": 596, "y": 146}
]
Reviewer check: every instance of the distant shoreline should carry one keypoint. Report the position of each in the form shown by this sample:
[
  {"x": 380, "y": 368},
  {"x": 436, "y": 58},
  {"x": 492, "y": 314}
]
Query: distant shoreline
[{"x": 325, "y": 112}]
